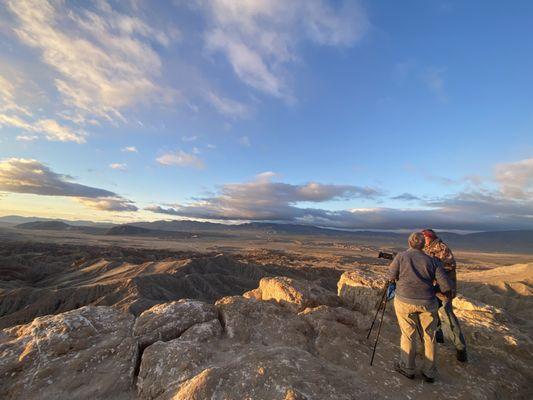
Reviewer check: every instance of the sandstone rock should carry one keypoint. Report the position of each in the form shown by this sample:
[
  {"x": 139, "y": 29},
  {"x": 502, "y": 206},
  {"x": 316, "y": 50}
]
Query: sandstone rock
[
  {"x": 88, "y": 353},
  {"x": 262, "y": 322},
  {"x": 253, "y": 294},
  {"x": 295, "y": 294},
  {"x": 203, "y": 332},
  {"x": 189, "y": 371},
  {"x": 338, "y": 334},
  {"x": 166, "y": 365},
  {"x": 361, "y": 289},
  {"x": 169, "y": 320}
]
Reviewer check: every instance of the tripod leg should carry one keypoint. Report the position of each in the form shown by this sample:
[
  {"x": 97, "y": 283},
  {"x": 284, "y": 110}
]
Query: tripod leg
[
  {"x": 379, "y": 330},
  {"x": 377, "y": 310}
]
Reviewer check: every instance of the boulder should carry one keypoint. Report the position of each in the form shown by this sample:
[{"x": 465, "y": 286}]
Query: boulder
[
  {"x": 203, "y": 332},
  {"x": 169, "y": 320},
  {"x": 361, "y": 289},
  {"x": 87, "y": 353},
  {"x": 228, "y": 370},
  {"x": 294, "y": 294},
  {"x": 338, "y": 335},
  {"x": 265, "y": 322}
]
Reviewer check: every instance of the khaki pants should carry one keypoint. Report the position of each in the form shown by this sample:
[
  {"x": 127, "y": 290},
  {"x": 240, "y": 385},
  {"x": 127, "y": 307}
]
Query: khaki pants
[{"x": 409, "y": 316}]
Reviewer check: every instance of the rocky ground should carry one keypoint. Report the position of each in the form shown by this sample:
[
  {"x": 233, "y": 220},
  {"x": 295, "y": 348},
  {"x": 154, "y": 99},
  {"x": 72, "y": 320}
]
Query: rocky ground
[{"x": 287, "y": 336}]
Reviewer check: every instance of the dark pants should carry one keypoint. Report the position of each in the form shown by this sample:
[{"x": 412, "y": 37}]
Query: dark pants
[{"x": 447, "y": 318}]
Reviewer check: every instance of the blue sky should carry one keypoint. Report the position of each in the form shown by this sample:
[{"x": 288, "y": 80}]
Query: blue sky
[{"x": 337, "y": 113}]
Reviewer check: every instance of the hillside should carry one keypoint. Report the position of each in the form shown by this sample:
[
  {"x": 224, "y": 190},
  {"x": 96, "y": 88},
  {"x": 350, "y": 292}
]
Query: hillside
[
  {"x": 45, "y": 225},
  {"x": 128, "y": 230}
]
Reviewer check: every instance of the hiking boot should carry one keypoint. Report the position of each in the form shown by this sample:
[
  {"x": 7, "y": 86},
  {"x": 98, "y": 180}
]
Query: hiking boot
[
  {"x": 428, "y": 379},
  {"x": 439, "y": 337},
  {"x": 399, "y": 369},
  {"x": 461, "y": 356}
]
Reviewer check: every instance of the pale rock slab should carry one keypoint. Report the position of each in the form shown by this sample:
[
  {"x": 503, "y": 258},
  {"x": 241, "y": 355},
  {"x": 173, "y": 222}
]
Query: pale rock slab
[
  {"x": 262, "y": 322},
  {"x": 87, "y": 353},
  {"x": 294, "y": 294},
  {"x": 361, "y": 289},
  {"x": 168, "y": 321}
]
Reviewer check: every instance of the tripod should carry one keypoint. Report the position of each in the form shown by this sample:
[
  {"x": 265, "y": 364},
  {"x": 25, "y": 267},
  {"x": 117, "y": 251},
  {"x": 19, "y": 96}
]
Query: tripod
[{"x": 381, "y": 306}]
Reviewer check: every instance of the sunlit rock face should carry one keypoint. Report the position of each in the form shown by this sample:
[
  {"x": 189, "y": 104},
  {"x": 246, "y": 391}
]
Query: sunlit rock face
[
  {"x": 294, "y": 294},
  {"x": 361, "y": 289}
]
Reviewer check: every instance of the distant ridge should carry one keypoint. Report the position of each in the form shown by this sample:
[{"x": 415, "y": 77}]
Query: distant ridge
[
  {"x": 517, "y": 241},
  {"x": 128, "y": 230},
  {"x": 45, "y": 225}
]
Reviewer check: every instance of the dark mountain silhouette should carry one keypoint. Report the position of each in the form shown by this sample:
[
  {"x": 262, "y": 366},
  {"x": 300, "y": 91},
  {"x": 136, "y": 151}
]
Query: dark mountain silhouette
[
  {"x": 128, "y": 230},
  {"x": 45, "y": 225}
]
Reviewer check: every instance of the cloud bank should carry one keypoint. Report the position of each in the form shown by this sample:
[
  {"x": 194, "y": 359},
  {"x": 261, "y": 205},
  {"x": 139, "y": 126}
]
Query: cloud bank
[
  {"x": 19, "y": 175},
  {"x": 510, "y": 206}
]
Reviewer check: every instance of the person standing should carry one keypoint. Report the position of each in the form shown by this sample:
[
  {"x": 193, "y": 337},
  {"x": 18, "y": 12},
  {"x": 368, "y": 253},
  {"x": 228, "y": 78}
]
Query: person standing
[
  {"x": 435, "y": 247},
  {"x": 415, "y": 302}
]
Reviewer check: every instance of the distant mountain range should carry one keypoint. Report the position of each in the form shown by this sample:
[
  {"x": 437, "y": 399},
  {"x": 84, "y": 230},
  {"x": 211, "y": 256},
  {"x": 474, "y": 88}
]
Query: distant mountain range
[{"x": 500, "y": 241}]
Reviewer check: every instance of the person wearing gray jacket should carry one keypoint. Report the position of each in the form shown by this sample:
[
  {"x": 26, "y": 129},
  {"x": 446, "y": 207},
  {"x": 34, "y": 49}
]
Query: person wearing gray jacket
[{"x": 416, "y": 304}]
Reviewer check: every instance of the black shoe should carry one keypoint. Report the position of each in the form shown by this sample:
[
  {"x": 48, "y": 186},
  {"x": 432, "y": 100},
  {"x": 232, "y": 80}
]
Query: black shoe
[
  {"x": 439, "y": 337},
  {"x": 427, "y": 378},
  {"x": 461, "y": 356},
  {"x": 399, "y": 369}
]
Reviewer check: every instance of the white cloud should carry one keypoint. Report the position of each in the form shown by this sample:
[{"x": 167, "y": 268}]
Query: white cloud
[
  {"x": 19, "y": 175},
  {"x": 516, "y": 179},
  {"x": 129, "y": 149},
  {"x": 27, "y": 138},
  {"x": 119, "y": 166},
  {"x": 228, "y": 107},
  {"x": 259, "y": 38},
  {"x": 102, "y": 59},
  {"x": 182, "y": 159},
  {"x": 189, "y": 138},
  {"x": 108, "y": 204},
  {"x": 52, "y": 130},
  {"x": 16, "y": 116}
]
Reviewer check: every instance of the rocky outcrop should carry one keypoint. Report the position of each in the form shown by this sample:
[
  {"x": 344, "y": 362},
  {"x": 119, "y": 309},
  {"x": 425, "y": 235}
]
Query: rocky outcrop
[
  {"x": 88, "y": 353},
  {"x": 255, "y": 372},
  {"x": 361, "y": 289},
  {"x": 267, "y": 352},
  {"x": 169, "y": 320},
  {"x": 295, "y": 294}
]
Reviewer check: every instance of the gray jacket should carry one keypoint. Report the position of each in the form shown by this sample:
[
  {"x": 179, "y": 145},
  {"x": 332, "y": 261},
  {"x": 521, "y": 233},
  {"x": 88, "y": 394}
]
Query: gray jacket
[{"x": 415, "y": 273}]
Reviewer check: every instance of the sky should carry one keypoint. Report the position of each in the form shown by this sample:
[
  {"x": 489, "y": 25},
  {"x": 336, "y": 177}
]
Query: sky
[{"x": 346, "y": 114}]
